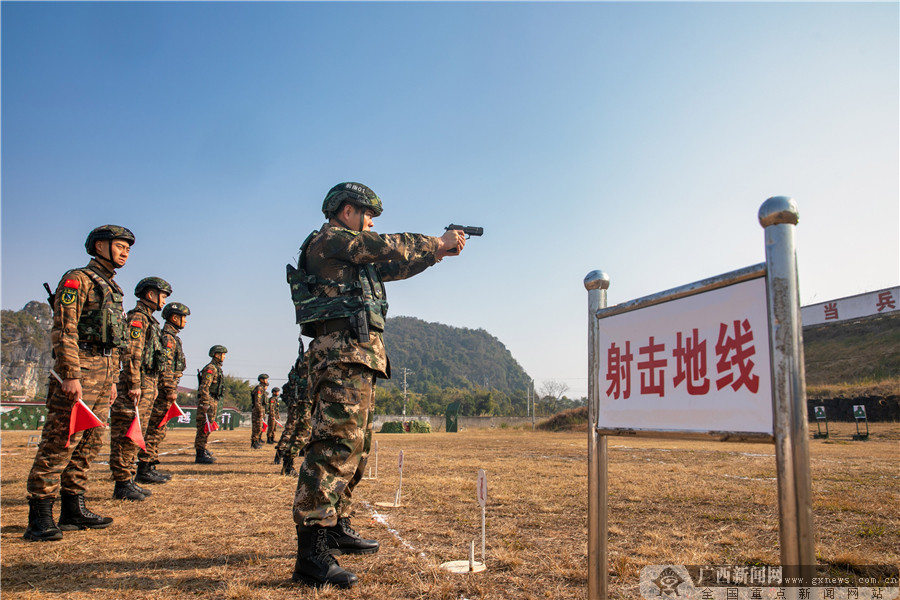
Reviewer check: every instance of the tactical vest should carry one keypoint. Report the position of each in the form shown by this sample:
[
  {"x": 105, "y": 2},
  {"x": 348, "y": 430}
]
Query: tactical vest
[
  {"x": 153, "y": 360},
  {"x": 105, "y": 326},
  {"x": 365, "y": 293},
  {"x": 179, "y": 362},
  {"x": 218, "y": 388}
]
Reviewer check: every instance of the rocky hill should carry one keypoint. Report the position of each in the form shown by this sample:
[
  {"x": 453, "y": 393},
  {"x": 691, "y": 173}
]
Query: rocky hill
[{"x": 25, "y": 349}]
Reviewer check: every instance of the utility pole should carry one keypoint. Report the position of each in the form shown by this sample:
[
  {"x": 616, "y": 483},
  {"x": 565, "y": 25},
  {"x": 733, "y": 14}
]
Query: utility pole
[
  {"x": 532, "y": 404},
  {"x": 405, "y": 373}
]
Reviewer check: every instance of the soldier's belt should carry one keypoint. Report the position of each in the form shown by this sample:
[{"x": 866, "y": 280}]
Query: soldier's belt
[
  {"x": 95, "y": 349},
  {"x": 332, "y": 325}
]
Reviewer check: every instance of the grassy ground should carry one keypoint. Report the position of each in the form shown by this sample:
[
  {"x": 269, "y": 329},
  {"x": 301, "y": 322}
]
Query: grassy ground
[{"x": 225, "y": 531}]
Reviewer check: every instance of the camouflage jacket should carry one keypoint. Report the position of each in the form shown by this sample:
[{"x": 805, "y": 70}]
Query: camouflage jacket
[
  {"x": 273, "y": 403},
  {"x": 87, "y": 308},
  {"x": 258, "y": 396},
  {"x": 144, "y": 355},
  {"x": 212, "y": 384},
  {"x": 294, "y": 389},
  {"x": 175, "y": 360},
  {"x": 337, "y": 254}
]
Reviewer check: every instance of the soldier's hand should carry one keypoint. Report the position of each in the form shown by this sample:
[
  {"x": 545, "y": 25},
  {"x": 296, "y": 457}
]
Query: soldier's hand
[
  {"x": 113, "y": 394},
  {"x": 451, "y": 243},
  {"x": 172, "y": 397},
  {"x": 135, "y": 394},
  {"x": 71, "y": 388}
]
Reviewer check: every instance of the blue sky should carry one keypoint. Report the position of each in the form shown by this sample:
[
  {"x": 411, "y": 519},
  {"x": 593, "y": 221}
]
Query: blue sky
[{"x": 636, "y": 138}]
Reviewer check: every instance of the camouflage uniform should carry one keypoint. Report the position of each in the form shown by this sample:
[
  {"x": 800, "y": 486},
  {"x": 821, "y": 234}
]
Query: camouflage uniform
[
  {"x": 167, "y": 388},
  {"x": 297, "y": 428},
  {"x": 342, "y": 369},
  {"x": 272, "y": 416},
  {"x": 142, "y": 363},
  {"x": 209, "y": 393},
  {"x": 258, "y": 408},
  {"x": 82, "y": 298}
]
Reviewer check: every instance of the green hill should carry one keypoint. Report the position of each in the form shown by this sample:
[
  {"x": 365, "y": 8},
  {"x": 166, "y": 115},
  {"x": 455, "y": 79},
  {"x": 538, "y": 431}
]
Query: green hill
[{"x": 447, "y": 363}]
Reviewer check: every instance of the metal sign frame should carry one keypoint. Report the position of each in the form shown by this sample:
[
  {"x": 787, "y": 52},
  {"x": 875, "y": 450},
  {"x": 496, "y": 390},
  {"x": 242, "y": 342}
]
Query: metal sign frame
[{"x": 777, "y": 215}]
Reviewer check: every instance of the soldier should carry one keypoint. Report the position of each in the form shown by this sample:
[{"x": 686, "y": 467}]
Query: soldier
[
  {"x": 142, "y": 363},
  {"x": 209, "y": 394},
  {"x": 258, "y": 406},
  {"x": 174, "y": 316},
  {"x": 297, "y": 427},
  {"x": 272, "y": 413},
  {"x": 87, "y": 334},
  {"x": 339, "y": 296}
]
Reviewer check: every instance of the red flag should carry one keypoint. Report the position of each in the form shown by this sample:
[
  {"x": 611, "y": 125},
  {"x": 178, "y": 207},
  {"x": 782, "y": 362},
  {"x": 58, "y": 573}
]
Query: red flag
[
  {"x": 174, "y": 411},
  {"x": 210, "y": 426},
  {"x": 277, "y": 422},
  {"x": 81, "y": 418},
  {"x": 264, "y": 427},
  {"x": 134, "y": 432}
]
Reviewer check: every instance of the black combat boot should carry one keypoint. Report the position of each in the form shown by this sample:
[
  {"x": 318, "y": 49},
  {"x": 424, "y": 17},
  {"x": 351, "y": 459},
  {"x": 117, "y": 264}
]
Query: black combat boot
[
  {"x": 145, "y": 474},
  {"x": 126, "y": 490},
  {"x": 315, "y": 565},
  {"x": 204, "y": 458},
  {"x": 277, "y": 457},
  {"x": 147, "y": 493},
  {"x": 41, "y": 527},
  {"x": 163, "y": 474},
  {"x": 73, "y": 514},
  {"x": 287, "y": 467},
  {"x": 342, "y": 539},
  {"x": 256, "y": 444}
]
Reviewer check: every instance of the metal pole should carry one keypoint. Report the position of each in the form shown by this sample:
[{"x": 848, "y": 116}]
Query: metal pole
[
  {"x": 778, "y": 216},
  {"x": 596, "y": 283}
]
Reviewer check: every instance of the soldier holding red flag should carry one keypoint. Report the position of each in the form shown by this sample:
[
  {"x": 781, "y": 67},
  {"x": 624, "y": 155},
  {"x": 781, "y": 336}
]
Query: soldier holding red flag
[
  {"x": 142, "y": 363},
  {"x": 209, "y": 392},
  {"x": 175, "y": 316},
  {"x": 87, "y": 335}
]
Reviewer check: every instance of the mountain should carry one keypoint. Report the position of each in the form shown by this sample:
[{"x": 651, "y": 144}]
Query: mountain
[
  {"x": 25, "y": 338},
  {"x": 450, "y": 357}
]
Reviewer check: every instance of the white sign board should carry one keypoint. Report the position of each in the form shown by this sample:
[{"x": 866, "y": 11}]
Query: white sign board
[
  {"x": 869, "y": 304},
  {"x": 482, "y": 488},
  {"x": 696, "y": 364}
]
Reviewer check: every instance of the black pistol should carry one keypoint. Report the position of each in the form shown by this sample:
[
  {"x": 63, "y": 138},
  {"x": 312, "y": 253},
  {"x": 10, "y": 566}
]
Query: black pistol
[{"x": 468, "y": 230}]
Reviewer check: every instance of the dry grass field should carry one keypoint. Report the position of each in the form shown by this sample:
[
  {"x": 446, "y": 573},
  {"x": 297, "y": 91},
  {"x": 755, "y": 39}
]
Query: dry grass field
[{"x": 225, "y": 531}]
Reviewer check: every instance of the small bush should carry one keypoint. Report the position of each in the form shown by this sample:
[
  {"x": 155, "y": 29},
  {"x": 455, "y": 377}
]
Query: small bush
[
  {"x": 392, "y": 427},
  {"x": 419, "y": 427}
]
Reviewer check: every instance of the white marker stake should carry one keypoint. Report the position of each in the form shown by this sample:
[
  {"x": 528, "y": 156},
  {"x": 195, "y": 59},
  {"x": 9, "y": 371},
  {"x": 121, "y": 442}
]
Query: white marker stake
[
  {"x": 376, "y": 459},
  {"x": 472, "y": 556},
  {"x": 482, "y": 500},
  {"x": 400, "y": 467}
]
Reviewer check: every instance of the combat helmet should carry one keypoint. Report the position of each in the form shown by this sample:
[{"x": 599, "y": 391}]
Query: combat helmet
[
  {"x": 262, "y": 376},
  {"x": 153, "y": 283},
  {"x": 175, "y": 308},
  {"x": 107, "y": 232},
  {"x": 217, "y": 349},
  {"x": 354, "y": 193}
]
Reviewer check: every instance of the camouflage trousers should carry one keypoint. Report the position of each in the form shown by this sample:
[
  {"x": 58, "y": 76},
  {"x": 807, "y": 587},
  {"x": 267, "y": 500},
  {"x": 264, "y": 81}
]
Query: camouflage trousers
[
  {"x": 343, "y": 402},
  {"x": 56, "y": 466},
  {"x": 204, "y": 412},
  {"x": 258, "y": 415},
  {"x": 296, "y": 429},
  {"x": 270, "y": 423},
  {"x": 123, "y": 451},
  {"x": 154, "y": 434}
]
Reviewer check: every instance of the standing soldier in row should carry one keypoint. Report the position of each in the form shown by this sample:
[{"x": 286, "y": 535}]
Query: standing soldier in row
[
  {"x": 142, "y": 363},
  {"x": 210, "y": 390},
  {"x": 88, "y": 332},
  {"x": 272, "y": 412},
  {"x": 174, "y": 317},
  {"x": 297, "y": 427},
  {"x": 339, "y": 295},
  {"x": 258, "y": 406}
]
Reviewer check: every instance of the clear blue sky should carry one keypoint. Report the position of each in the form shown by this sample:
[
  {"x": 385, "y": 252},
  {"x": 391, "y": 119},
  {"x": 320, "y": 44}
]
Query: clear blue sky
[{"x": 636, "y": 138}]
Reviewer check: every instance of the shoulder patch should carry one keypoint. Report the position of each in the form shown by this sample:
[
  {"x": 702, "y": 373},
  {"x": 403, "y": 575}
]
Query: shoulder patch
[
  {"x": 138, "y": 324},
  {"x": 68, "y": 296},
  {"x": 169, "y": 344},
  {"x": 210, "y": 371},
  {"x": 72, "y": 283}
]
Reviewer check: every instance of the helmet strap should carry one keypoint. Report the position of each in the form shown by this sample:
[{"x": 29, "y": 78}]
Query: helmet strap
[{"x": 109, "y": 260}]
